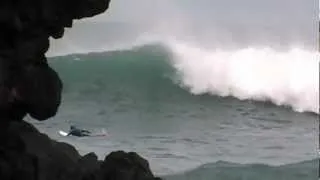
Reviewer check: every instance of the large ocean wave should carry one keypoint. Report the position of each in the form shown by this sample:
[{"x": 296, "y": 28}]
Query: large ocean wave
[{"x": 288, "y": 77}]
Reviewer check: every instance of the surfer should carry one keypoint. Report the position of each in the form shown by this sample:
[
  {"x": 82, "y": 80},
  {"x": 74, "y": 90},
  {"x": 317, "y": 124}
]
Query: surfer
[{"x": 74, "y": 131}]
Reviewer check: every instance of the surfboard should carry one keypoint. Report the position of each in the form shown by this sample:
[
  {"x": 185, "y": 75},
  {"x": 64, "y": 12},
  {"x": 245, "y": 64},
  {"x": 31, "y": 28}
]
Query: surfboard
[
  {"x": 102, "y": 133},
  {"x": 62, "y": 133}
]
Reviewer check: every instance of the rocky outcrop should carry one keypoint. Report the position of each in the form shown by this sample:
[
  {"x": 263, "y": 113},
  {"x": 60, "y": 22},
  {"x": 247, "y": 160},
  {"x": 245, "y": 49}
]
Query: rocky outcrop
[
  {"x": 28, "y": 85},
  {"x": 25, "y": 154}
]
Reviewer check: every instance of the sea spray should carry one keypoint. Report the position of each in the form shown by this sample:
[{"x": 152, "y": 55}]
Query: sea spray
[{"x": 288, "y": 78}]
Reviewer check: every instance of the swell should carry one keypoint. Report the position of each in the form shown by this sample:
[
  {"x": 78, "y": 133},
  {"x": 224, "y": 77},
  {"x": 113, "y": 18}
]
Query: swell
[
  {"x": 138, "y": 73},
  {"x": 154, "y": 70},
  {"x": 306, "y": 170}
]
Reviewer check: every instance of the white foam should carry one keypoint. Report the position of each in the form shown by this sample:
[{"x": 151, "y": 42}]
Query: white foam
[{"x": 285, "y": 78}]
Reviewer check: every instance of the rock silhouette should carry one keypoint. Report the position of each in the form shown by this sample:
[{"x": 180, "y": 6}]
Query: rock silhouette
[{"x": 29, "y": 86}]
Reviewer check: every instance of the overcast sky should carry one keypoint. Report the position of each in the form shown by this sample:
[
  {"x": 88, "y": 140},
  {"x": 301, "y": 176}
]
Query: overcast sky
[
  {"x": 244, "y": 20},
  {"x": 250, "y": 10},
  {"x": 213, "y": 23}
]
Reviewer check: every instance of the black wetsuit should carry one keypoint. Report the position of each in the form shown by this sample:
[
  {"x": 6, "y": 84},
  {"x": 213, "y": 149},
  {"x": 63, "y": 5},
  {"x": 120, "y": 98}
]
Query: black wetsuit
[{"x": 78, "y": 132}]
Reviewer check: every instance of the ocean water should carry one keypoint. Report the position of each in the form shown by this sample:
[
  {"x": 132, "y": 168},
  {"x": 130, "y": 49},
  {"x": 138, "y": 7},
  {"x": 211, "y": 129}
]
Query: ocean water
[{"x": 194, "y": 113}]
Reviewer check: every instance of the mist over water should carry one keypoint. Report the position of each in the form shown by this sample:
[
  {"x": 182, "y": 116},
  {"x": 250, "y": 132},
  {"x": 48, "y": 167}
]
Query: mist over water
[
  {"x": 260, "y": 50},
  {"x": 227, "y": 24}
]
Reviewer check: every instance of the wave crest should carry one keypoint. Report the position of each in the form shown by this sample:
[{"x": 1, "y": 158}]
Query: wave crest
[{"x": 289, "y": 78}]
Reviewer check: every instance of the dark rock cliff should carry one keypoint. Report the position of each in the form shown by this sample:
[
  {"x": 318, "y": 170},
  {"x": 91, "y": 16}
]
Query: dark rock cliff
[{"x": 29, "y": 86}]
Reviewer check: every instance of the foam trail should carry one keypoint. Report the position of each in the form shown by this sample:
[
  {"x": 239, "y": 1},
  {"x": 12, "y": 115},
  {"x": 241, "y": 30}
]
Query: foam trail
[{"x": 285, "y": 78}]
